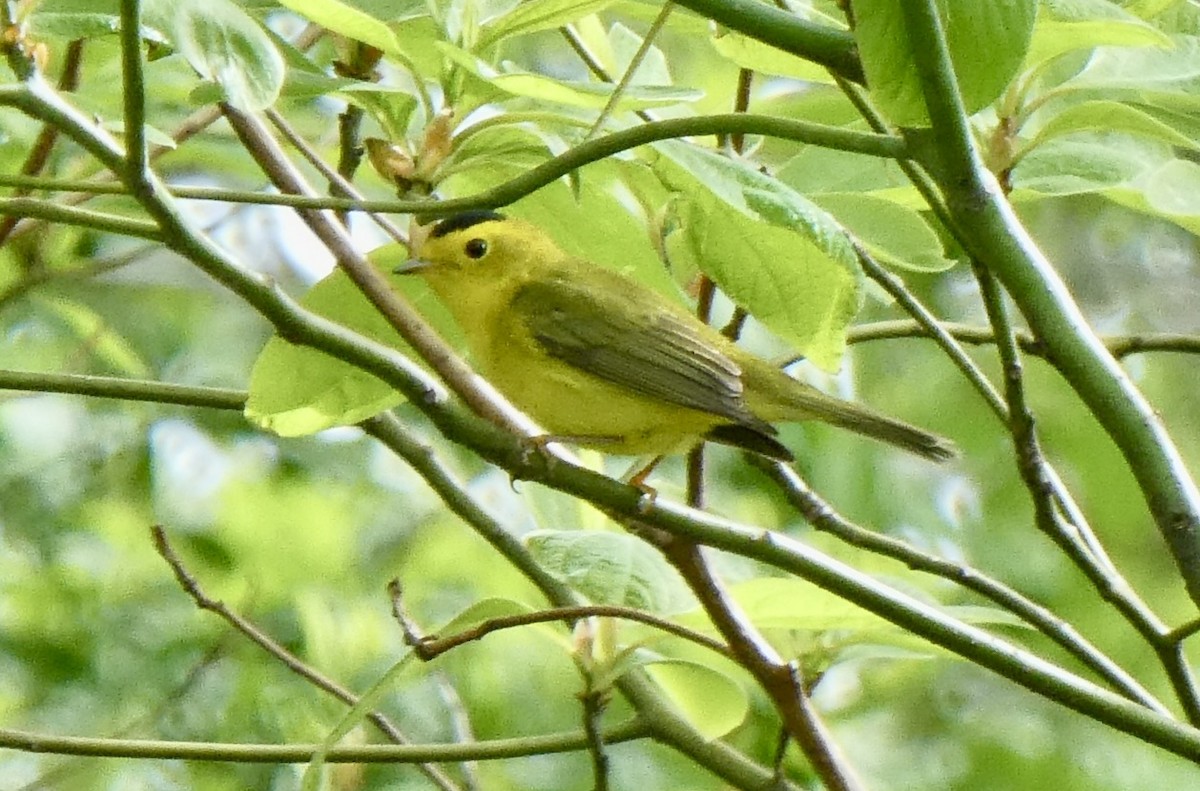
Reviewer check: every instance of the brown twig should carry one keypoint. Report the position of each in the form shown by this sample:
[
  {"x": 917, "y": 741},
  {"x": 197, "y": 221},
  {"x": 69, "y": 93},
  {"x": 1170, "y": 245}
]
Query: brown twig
[
  {"x": 429, "y": 647},
  {"x": 760, "y": 659},
  {"x": 39, "y": 154}
]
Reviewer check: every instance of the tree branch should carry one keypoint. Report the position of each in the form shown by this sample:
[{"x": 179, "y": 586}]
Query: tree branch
[
  {"x": 822, "y": 516},
  {"x": 989, "y": 230},
  {"x": 1119, "y": 346},
  {"x": 491, "y": 750}
]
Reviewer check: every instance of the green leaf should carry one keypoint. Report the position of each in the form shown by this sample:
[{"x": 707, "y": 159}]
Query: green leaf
[
  {"x": 517, "y": 82},
  {"x": 625, "y": 44},
  {"x": 774, "y": 252},
  {"x": 1070, "y": 25},
  {"x": 1171, "y": 192},
  {"x": 987, "y": 43},
  {"x": 810, "y": 622},
  {"x": 1173, "y": 68},
  {"x": 498, "y": 146},
  {"x": 794, "y": 604},
  {"x": 1108, "y": 116},
  {"x": 337, "y": 17},
  {"x": 223, "y": 44},
  {"x": 895, "y": 234},
  {"x": 817, "y": 169},
  {"x": 534, "y": 15},
  {"x": 482, "y": 611},
  {"x": 1088, "y": 162},
  {"x": 295, "y": 390},
  {"x": 610, "y": 568},
  {"x": 749, "y": 53},
  {"x": 711, "y": 701},
  {"x": 154, "y": 136},
  {"x": 72, "y": 26}
]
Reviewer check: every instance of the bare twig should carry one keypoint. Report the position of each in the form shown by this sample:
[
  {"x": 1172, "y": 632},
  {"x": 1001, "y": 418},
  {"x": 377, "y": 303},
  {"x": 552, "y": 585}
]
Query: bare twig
[
  {"x": 1032, "y": 466},
  {"x": 619, "y": 89},
  {"x": 39, "y": 154},
  {"x": 593, "y": 63},
  {"x": 822, "y": 516},
  {"x": 594, "y": 702},
  {"x": 1120, "y": 345},
  {"x": 760, "y": 659},
  {"x": 192, "y": 587},
  {"x": 338, "y": 182},
  {"x": 430, "y": 647}
]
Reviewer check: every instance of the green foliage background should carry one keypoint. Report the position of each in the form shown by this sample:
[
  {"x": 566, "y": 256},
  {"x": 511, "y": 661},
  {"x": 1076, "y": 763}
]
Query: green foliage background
[{"x": 302, "y": 534}]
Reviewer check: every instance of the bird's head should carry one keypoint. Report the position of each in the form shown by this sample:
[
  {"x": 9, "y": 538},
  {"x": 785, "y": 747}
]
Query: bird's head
[{"x": 478, "y": 247}]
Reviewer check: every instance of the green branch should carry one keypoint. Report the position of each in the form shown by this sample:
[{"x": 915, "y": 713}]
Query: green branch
[
  {"x": 137, "y": 153},
  {"x": 989, "y": 229},
  {"x": 84, "y": 218},
  {"x": 1119, "y": 346},
  {"x": 491, "y": 750},
  {"x": 868, "y": 144},
  {"x": 124, "y": 389}
]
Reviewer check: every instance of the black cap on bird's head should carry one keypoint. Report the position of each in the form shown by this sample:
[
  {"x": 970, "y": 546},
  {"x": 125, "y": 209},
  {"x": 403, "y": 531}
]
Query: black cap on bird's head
[
  {"x": 455, "y": 222},
  {"x": 458, "y": 222}
]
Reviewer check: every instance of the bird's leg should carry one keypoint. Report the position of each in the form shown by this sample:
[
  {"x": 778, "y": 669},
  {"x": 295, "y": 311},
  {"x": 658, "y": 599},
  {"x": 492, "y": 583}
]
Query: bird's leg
[{"x": 637, "y": 474}]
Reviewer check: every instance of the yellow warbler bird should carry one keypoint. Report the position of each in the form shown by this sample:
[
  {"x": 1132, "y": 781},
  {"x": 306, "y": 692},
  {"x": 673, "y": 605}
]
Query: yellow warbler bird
[{"x": 599, "y": 360}]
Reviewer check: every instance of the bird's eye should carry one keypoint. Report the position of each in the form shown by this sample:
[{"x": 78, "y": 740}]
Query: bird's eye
[{"x": 476, "y": 248}]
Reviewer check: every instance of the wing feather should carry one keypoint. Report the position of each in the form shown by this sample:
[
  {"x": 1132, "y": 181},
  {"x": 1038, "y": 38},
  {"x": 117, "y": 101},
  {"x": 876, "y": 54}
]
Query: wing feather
[{"x": 642, "y": 347}]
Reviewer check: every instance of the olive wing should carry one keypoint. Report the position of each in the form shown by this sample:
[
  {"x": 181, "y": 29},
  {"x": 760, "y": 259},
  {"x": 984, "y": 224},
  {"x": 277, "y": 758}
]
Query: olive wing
[{"x": 632, "y": 342}]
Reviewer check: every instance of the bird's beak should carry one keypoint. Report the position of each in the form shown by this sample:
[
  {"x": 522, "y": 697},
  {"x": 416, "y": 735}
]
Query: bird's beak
[{"x": 411, "y": 266}]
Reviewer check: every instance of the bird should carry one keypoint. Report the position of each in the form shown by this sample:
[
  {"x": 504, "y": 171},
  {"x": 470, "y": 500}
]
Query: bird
[{"x": 602, "y": 361}]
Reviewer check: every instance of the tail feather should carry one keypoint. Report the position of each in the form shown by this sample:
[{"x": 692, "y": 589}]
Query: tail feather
[
  {"x": 796, "y": 401},
  {"x": 894, "y": 432}
]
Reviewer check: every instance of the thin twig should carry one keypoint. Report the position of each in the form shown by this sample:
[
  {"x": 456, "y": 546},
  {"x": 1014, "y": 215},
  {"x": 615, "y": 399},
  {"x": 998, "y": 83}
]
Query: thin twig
[
  {"x": 634, "y": 63},
  {"x": 243, "y": 753},
  {"x": 706, "y": 292},
  {"x": 593, "y": 63},
  {"x": 594, "y": 702},
  {"x": 310, "y": 674},
  {"x": 460, "y": 726},
  {"x": 822, "y": 516},
  {"x": 762, "y": 661},
  {"x": 340, "y": 185},
  {"x": 1033, "y": 469},
  {"x": 39, "y": 154},
  {"x": 83, "y": 218},
  {"x": 429, "y": 648},
  {"x": 1121, "y": 346}
]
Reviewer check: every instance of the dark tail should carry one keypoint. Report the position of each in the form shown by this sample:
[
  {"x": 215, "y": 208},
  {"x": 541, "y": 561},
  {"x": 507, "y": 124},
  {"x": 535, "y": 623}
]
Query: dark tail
[
  {"x": 894, "y": 432},
  {"x": 783, "y": 399}
]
